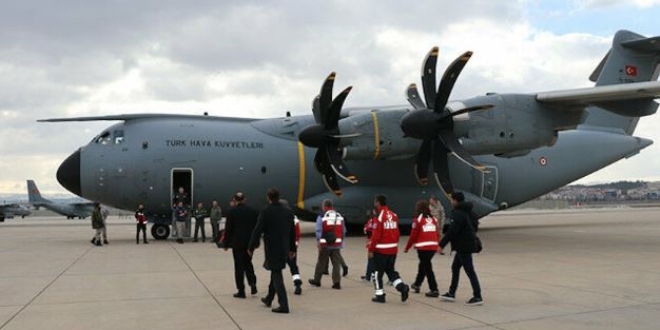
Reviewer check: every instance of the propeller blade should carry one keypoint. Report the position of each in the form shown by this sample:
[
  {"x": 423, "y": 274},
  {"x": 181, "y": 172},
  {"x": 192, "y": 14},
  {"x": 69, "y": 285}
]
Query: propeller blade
[
  {"x": 412, "y": 94},
  {"x": 448, "y": 81},
  {"x": 441, "y": 167},
  {"x": 325, "y": 97},
  {"x": 337, "y": 164},
  {"x": 316, "y": 109},
  {"x": 323, "y": 166},
  {"x": 334, "y": 112},
  {"x": 451, "y": 142},
  {"x": 423, "y": 162},
  {"x": 428, "y": 77},
  {"x": 346, "y": 136},
  {"x": 466, "y": 110}
]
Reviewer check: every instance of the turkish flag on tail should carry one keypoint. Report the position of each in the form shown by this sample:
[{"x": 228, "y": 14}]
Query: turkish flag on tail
[{"x": 631, "y": 70}]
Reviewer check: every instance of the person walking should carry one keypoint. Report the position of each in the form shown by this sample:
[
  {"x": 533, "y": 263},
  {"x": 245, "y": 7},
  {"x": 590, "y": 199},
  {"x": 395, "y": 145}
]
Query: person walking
[
  {"x": 180, "y": 196},
  {"x": 462, "y": 235},
  {"x": 200, "y": 214},
  {"x": 181, "y": 215},
  {"x": 97, "y": 224},
  {"x": 216, "y": 218},
  {"x": 141, "y": 220},
  {"x": 293, "y": 262},
  {"x": 276, "y": 225},
  {"x": 104, "y": 215},
  {"x": 368, "y": 229},
  {"x": 241, "y": 220},
  {"x": 383, "y": 249},
  {"x": 330, "y": 231},
  {"x": 424, "y": 236}
]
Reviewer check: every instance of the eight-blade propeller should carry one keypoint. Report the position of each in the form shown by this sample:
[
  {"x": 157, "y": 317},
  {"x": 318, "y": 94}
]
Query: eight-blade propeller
[
  {"x": 433, "y": 123},
  {"x": 325, "y": 136}
]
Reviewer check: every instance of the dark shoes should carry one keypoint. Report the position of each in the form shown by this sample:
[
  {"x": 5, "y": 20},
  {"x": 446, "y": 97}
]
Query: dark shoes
[
  {"x": 405, "y": 290},
  {"x": 474, "y": 301},
  {"x": 344, "y": 271},
  {"x": 415, "y": 288},
  {"x": 266, "y": 302},
  {"x": 179, "y": 240},
  {"x": 314, "y": 282},
  {"x": 253, "y": 290},
  {"x": 105, "y": 241},
  {"x": 98, "y": 243},
  {"x": 448, "y": 296},
  {"x": 195, "y": 240},
  {"x": 298, "y": 290},
  {"x": 145, "y": 242},
  {"x": 280, "y": 310},
  {"x": 336, "y": 286},
  {"x": 239, "y": 294},
  {"x": 366, "y": 278},
  {"x": 378, "y": 299},
  {"x": 432, "y": 294}
]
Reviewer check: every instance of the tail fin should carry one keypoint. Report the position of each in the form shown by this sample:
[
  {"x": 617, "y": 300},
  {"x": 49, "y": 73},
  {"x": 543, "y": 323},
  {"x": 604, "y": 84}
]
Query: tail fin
[
  {"x": 632, "y": 58},
  {"x": 34, "y": 196}
]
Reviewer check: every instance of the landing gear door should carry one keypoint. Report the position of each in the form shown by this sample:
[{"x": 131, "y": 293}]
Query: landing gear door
[{"x": 490, "y": 183}]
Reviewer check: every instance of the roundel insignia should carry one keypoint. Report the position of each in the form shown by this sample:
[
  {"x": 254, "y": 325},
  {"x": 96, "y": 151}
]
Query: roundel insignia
[{"x": 543, "y": 161}]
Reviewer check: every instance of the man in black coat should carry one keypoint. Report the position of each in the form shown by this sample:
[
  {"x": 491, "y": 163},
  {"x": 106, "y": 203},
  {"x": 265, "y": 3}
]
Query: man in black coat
[
  {"x": 462, "y": 235},
  {"x": 276, "y": 225},
  {"x": 241, "y": 220}
]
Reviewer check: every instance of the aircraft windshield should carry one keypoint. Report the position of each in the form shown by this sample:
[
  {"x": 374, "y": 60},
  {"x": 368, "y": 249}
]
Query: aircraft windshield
[
  {"x": 103, "y": 138},
  {"x": 119, "y": 136}
]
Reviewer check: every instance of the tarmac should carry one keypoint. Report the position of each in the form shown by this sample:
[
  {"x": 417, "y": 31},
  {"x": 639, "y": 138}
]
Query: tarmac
[{"x": 583, "y": 269}]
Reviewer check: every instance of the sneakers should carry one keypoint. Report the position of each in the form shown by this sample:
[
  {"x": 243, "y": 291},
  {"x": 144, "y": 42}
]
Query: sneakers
[
  {"x": 432, "y": 294},
  {"x": 415, "y": 288},
  {"x": 448, "y": 296},
  {"x": 474, "y": 301},
  {"x": 314, "y": 282},
  {"x": 405, "y": 290}
]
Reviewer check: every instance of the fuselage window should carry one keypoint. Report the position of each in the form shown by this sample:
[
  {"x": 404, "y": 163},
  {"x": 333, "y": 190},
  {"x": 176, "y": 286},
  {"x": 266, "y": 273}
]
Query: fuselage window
[
  {"x": 119, "y": 136},
  {"x": 104, "y": 138}
]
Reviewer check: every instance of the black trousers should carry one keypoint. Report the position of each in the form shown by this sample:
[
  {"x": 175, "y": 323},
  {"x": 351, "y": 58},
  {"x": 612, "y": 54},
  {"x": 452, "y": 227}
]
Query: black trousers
[
  {"x": 141, "y": 227},
  {"x": 293, "y": 265},
  {"x": 464, "y": 260},
  {"x": 425, "y": 269},
  {"x": 199, "y": 223},
  {"x": 276, "y": 286},
  {"x": 384, "y": 264},
  {"x": 243, "y": 268}
]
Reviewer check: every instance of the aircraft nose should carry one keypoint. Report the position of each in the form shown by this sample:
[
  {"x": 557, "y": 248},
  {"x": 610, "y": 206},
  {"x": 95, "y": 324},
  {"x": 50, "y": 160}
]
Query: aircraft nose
[{"x": 68, "y": 175}]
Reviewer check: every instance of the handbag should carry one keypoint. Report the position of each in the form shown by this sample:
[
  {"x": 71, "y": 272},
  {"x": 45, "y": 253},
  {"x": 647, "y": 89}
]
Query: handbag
[{"x": 477, "y": 241}]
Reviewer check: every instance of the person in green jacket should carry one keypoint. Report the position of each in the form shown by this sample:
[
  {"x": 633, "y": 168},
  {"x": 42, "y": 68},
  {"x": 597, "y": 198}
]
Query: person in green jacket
[
  {"x": 216, "y": 218},
  {"x": 97, "y": 224},
  {"x": 199, "y": 214}
]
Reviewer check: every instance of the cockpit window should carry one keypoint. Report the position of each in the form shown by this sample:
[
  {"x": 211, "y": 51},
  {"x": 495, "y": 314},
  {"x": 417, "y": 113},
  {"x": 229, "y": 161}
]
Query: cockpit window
[
  {"x": 119, "y": 136},
  {"x": 103, "y": 138}
]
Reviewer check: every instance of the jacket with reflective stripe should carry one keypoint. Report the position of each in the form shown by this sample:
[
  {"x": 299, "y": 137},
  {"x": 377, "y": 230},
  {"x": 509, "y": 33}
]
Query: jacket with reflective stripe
[
  {"x": 385, "y": 234},
  {"x": 424, "y": 234},
  {"x": 332, "y": 221}
]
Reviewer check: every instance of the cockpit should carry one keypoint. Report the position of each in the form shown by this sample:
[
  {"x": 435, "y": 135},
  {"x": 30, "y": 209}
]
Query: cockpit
[{"x": 110, "y": 137}]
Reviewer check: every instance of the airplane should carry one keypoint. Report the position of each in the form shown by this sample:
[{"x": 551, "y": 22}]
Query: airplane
[
  {"x": 79, "y": 210},
  {"x": 500, "y": 150},
  {"x": 11, "y": 210}
]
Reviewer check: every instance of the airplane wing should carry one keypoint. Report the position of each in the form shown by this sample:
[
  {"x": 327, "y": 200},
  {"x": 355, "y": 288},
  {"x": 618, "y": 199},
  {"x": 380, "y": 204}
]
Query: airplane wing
[
  {"x": 136, "y": 116},
  {"x": 647, "y": 90}
]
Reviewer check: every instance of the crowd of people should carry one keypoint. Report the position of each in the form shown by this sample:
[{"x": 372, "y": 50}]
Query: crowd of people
[{"x": 279, "y": 229}]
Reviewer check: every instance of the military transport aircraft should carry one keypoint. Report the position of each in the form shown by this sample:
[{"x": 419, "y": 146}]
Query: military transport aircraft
[
  {"x": 499, "y": 149},
  {"x": 80, "y": 210},
  {"x": 9, "y": 211}
]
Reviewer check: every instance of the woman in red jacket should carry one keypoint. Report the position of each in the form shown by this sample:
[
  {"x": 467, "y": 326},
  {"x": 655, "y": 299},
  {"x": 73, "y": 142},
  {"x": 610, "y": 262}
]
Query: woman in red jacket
[{"x": 424, "y": 236}]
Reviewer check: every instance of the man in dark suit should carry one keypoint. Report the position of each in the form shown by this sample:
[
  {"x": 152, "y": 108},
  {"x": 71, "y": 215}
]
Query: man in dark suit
[
  {"x": 241, "y": 220},
  {"x": 276, "y": 225}
]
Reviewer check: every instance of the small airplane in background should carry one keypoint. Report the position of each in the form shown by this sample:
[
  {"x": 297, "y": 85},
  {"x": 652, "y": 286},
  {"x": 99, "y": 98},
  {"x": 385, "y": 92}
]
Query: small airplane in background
[
  {"x": 9, "y": 211},
  {"x": 71, "y": 210}
]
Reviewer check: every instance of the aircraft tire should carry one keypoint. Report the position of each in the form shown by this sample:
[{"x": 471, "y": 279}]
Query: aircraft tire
[{"x": 160, "y": 232}]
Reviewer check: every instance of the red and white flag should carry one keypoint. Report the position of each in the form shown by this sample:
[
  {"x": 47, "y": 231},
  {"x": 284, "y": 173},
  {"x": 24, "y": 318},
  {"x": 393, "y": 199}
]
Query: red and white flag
[{"x": 631, "y": 70}]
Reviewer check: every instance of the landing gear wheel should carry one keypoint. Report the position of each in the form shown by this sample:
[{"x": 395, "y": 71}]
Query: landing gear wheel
[{"x": 160, "y": 232}]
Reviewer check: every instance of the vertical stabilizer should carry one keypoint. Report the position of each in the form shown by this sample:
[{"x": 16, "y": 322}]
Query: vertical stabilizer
[{"x": 34, "y": 196}]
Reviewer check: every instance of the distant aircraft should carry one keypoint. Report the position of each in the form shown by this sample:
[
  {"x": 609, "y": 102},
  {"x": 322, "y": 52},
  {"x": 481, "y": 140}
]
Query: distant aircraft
[
  {"x": 70, "y": 210},
  {"x": 499, "y": 149},
  {"x": 9, "y": 211}
]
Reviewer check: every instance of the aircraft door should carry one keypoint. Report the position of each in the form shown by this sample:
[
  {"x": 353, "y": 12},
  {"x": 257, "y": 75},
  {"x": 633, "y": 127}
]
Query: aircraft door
[
  {"x": 490, "y": 183},
  {"x": 183, "y": 178}
]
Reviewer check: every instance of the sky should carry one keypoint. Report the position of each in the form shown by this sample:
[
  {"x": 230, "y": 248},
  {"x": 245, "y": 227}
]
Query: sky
[{"x": 263, "y": 58}]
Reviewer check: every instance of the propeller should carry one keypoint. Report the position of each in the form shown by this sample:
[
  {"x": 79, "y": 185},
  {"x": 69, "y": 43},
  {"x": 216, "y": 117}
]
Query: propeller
[
  {"x": 433, "y": 123},
  {"x": 325, "y": 136}
]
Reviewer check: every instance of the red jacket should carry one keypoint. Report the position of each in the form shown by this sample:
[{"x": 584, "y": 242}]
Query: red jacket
[
  {"x": 385, "y": 235},
  {"x": 140, "y": 217},
  {"x": 296, "y": 223},
  {"x": 332, "y": 221},
  {"x": 424, "y": 234}
]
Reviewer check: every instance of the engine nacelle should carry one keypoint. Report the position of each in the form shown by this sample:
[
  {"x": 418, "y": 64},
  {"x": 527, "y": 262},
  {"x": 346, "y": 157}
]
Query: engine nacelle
[
  {"x": 378, "y": 135},
  {"x": 517, "y": 124}
]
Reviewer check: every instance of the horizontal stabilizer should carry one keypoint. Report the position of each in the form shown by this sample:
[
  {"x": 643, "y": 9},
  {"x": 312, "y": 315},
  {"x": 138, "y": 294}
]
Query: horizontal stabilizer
[
  {"x": 645, "y": 45},
  {"x": 607, "y": 93}
]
